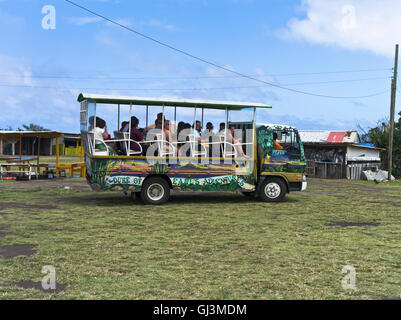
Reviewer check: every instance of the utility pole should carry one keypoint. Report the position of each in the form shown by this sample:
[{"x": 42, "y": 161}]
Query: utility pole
[{"x": 392, "y": 111}]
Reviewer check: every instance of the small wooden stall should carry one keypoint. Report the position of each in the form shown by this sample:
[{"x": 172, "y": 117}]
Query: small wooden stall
[
  {"x": 72, "y": 166},
  {"x": 26, "y": 162}
]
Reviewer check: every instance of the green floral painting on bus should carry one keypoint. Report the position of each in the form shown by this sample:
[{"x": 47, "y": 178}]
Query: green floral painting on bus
[
  {"x": 291, "y": 156},
  {"x": 129, "y": 174}
]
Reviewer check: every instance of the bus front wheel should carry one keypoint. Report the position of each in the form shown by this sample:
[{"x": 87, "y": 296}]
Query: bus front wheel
[
  {"x": 273, "y": 190},
  {"x": 155, "y": 191}
]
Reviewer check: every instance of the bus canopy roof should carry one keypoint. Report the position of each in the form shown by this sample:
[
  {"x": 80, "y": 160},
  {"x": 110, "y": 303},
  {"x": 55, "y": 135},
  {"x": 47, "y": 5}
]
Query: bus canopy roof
[{"x": 169, "y": 102}]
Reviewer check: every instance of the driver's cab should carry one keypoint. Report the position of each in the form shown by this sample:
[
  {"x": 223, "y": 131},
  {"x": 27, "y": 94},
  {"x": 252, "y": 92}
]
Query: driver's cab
[{"x": 279, "y": 143}]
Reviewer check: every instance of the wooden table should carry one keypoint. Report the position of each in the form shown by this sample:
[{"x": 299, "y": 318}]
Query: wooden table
[{"x": 19, "y": 165}]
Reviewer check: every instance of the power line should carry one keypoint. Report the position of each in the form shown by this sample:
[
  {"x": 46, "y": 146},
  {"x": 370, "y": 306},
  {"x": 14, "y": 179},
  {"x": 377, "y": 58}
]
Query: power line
[
  {"x": 198, "y": 58},
  {"x": 287, "y": 84},
  {"x": 169, "y": 89},
  {"x": 107, "y": 77}
]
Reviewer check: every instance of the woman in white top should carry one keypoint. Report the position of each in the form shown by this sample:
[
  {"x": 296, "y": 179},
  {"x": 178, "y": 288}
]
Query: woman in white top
[{"x": 100, "y": 134}]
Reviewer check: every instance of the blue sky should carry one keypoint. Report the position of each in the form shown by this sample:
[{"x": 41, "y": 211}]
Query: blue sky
[{"x": 43, "y": 71}]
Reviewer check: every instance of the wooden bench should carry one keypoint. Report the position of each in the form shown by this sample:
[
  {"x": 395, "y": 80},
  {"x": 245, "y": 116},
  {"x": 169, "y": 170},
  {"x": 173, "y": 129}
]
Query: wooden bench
[
  {"x": 7, "y": 167},
  {"x": 71, "y": 167}
]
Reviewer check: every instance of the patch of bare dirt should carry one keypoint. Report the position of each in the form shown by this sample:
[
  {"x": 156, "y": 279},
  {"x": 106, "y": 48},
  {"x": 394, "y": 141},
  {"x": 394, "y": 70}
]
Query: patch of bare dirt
[
  {"x": 19, "y": 205},
  {"x": 29, "y": 284},
  {"x": 345, "y": 224},
  {"x": 347, "y": 184},
  {"x": 2, "y": 232},
  {"x": 15, "y": 250},
  {"x": 48, "y": 184}
]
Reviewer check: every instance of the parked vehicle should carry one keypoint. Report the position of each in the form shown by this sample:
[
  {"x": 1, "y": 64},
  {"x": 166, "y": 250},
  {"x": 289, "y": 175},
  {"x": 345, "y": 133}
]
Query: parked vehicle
[{"x": 260, "y": 160}]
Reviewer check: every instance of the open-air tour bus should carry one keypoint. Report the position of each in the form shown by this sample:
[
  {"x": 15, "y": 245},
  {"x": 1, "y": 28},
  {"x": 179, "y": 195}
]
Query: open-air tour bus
[{"x": 257, "y": 159}]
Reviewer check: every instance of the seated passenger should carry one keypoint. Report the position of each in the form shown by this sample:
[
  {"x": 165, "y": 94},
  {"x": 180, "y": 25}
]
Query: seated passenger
[
  {"x": 276, "y": 145},
  {"x": 100, "y": 131},
  {"x": 124, "y": 127},
  {"x": 135, "y": 135},
  {"x": 222, "y": 129},
  {"x": 101, "y": 136},
  {"x": 231, "y": 139},
  {"x": 166, "y": 131},
  {"x": 180, "y": 127},
  {"x": 157, "y": 125},
  {"x": 209, "y": 129}
]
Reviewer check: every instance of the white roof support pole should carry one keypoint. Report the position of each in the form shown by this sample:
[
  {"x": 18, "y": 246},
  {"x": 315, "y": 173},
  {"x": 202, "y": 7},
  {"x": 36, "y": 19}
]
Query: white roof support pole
[
  {"x": 118, "y": 119},
  {"x": 225, "y": 133},
  {"x": 254, "y": 131},
  {"x": 94, "y": 126},
  {"x": 194, "y": 127},
  {"x": 147, "y": 116},
  {"x": 202, "y": 117},
  {"x": 162, "y": 124},
  {"x": 129, "y": 129}
]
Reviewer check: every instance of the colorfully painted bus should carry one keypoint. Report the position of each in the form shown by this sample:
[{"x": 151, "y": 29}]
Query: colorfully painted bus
[{"x": 260, "y": 160}]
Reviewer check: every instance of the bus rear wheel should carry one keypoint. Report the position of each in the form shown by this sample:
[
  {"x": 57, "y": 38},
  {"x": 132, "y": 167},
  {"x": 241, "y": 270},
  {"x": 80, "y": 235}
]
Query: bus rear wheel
[
  {"x": 273, "y": 190},
  {"x": 155, "y": 191}
]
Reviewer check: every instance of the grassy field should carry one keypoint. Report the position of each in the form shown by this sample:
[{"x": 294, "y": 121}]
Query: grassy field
[{"x": 204, "y": 246}]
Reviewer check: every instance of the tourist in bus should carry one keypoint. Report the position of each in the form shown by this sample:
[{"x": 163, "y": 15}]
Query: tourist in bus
[
  {"x": 101, "y": 130},
  {"x": 197, "y": 129},
  {"x": 124, "y": 126},
  {"x": 166, "y": 131},
  {"x": 276, "y": 145},
  {"x": 135, "y": 135},
  {"x": 209, "y": 129},
  {"x": 101, "y": 135},
  {"x": 156, "y": 125},
  {"x": 236, "y": 142},
  {"x": 180, "y": 127},
  {"x": 222, "y": 129}
]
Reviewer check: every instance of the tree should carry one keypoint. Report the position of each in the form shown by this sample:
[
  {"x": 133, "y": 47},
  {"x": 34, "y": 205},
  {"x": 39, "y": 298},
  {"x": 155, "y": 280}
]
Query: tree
[
  {"x": 379, "y": 137},
  {"x": 33, "y": 127}
]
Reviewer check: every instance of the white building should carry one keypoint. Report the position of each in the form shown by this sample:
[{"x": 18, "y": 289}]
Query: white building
[{"x": 338, "y": 154}]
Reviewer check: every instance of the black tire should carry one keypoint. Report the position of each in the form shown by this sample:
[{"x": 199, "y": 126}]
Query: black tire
[
  {"x": 272, "y": 190},
  {"x": 155, "y": 191}
]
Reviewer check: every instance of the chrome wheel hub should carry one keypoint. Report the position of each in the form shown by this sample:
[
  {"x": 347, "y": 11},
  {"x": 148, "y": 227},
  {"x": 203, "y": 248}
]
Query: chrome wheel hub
[
  {"x": 272, "y": 190},
  {"x": 155, "y": 191}
]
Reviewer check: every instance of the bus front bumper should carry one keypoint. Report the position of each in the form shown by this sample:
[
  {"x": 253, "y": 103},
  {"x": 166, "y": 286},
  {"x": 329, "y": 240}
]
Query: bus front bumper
[{"x": 298, "y": 186}]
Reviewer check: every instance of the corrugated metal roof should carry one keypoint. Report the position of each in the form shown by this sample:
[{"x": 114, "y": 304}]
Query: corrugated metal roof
[
  {"x": 43, "y": 134},
  {"x": 328, "y": 136},
  {"x": 314, "y": 136}
]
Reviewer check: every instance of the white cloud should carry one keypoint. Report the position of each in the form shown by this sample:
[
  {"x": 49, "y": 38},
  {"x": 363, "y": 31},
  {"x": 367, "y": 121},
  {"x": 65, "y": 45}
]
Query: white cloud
[
  {"x": 13, "y": 21},
  {"x": 158, "y": 24},
  {"x": 52, "y": 108},
  {"x": 80, "y": 21},
  {"x": 83, "y": 20},
  {"x": 352, "y": 24},
  {"x": 122, "y": 21}
]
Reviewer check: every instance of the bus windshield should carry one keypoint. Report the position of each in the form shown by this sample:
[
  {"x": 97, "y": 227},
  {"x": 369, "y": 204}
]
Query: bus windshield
[{"x": 289, "y": 140}]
